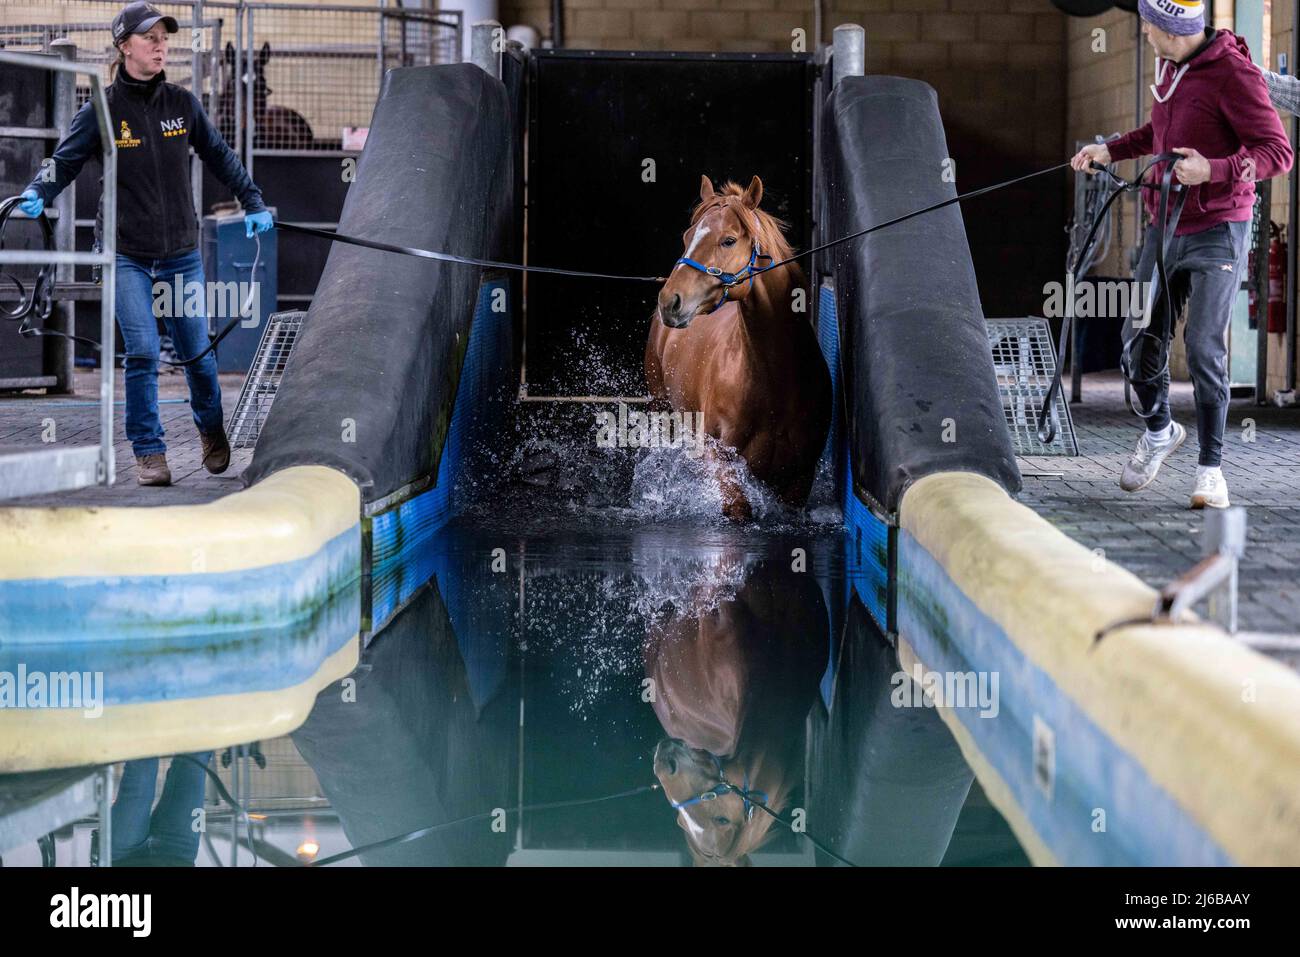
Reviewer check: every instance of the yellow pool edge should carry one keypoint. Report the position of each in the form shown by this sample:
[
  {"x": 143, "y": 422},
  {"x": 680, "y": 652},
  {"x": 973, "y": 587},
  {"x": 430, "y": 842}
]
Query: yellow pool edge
[{"x": 1214, "y": 724}]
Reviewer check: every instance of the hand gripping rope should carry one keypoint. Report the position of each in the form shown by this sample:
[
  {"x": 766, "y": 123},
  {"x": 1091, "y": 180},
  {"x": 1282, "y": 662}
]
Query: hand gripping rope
[
  {"x": 40, "y": 304},
  {"x": 1166, "y": 224}
]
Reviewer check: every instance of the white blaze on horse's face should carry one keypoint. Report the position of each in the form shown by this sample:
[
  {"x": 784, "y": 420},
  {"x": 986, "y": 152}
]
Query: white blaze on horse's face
[
  {"x": 714, "y": 827},
  {"x": 700, "y": 232},
  {"x": 722, "y": 238}
]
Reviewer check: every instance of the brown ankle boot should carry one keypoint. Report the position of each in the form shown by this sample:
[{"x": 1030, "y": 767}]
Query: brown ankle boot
[
  {"x": 153, "y": 469},
  {"x": 216, "y": 451}
]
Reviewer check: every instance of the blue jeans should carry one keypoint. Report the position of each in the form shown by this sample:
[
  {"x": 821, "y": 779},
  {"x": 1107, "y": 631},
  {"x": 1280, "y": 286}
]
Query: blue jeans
[
  {"x": 169, "y": 830},
  {"x": 189, "y": 332}
]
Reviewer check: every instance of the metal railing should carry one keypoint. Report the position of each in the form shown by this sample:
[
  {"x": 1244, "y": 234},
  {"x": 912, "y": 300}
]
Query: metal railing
[{"x": 39, "y": 471}]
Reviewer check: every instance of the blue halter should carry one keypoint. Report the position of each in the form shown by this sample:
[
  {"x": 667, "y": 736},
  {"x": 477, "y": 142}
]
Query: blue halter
[
  {"x": 724, "y": 787},
  {"x": 728, "y": 279}
]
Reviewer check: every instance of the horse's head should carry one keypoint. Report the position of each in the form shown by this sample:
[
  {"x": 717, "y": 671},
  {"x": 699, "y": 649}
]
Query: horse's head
[
  {"x": 733, "y": 684},
  {"x": 260, "y": 88},
  {"x": 721, "y": 826},
  {"x": 722, "y": 244}
]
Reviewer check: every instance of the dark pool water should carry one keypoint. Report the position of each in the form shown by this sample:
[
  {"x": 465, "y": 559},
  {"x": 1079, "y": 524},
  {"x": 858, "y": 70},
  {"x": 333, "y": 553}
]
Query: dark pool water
[{"x": 573, "y": 649}]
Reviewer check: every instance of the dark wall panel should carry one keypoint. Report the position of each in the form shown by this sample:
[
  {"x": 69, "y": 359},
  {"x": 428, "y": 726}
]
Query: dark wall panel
[{"x": 596, "y": 118}]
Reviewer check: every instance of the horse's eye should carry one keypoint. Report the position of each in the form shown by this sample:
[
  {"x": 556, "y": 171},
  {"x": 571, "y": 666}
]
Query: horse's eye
[
  {"x": 721, "y": 821},
  {"x": 729, "y": 241}
]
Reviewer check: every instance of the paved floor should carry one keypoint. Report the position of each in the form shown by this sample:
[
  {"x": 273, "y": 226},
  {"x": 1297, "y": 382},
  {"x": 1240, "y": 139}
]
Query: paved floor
[
  {"x": 1153, "y": 533},
  {"x": 26, "y": 417}
]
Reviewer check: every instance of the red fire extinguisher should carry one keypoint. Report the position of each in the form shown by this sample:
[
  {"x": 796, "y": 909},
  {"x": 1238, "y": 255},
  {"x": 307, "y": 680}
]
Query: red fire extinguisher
[{"x": 1276, "y": 280}]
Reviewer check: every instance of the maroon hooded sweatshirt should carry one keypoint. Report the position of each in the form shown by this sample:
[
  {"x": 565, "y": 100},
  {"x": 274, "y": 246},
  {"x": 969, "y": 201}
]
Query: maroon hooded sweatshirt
[{"x": 1216, "y": 102}]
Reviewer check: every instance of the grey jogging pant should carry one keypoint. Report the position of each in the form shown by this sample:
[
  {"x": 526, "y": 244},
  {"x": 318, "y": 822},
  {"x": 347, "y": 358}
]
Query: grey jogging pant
[{"x": 1205, "y": 270}]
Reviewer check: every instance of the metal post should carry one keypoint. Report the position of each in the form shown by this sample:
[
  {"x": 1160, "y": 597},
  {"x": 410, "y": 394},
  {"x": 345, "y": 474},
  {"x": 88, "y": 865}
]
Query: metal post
[
  {"x": 104, "y": 796},
  {"x": 239, "y": 86},
  {"x": 850, "y": 51},
  {"x": 65, "y": 227},
  {"x": 1263, "y": 240},
  {"x": 234, "y": 814},
  {"x": 557, "y": 23},
  {"x": 1293, "y": 214},
  {"x": 1139, "y": 77},
  {"x": 1224, "y": 533},
  {"x": 196, "y": 87},
  {"x": 250, "y": 72},
  {"x": 107, "y": 471},
  {"x": 379, "y": 78},
  {"x": 486, "y": 46},
  {"x": 1075, "y": 345}
]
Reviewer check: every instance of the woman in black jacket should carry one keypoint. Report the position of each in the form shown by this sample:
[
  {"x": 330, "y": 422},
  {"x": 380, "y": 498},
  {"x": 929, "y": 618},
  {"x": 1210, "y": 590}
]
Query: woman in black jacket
[{"x": 155, "y": 124}]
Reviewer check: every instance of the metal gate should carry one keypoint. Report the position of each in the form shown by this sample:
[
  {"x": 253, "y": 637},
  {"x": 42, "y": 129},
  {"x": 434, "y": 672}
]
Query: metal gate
[{"x": 290, "y": 86}]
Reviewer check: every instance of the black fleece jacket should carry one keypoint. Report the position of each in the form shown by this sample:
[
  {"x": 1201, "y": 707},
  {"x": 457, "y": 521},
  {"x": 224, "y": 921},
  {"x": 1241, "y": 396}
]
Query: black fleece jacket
[{"x": 154, "y": 125}]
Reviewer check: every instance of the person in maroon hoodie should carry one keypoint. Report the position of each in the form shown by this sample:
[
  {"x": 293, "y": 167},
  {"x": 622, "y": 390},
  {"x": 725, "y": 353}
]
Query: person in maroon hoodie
[{"x": 1212, "y": 108}]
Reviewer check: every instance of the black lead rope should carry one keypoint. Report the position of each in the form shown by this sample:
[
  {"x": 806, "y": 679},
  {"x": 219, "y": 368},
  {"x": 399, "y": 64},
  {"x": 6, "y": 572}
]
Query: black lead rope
[
  {"x": 424, "y": 831},
  {"x": 41, "y": 303},
  {"x": 486, "y": 815},
  {"x": 520, "y": 267},
  {"x": 1166, "y": 224},
  {"x": 451, "y": 257},
  {"x": 552, "y": 805},
  {"x": 45, "y": 283}
]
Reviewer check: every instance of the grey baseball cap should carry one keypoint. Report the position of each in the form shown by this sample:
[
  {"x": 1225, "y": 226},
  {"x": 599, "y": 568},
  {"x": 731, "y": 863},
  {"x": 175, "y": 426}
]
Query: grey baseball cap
[{"x": 138, "y": 18}]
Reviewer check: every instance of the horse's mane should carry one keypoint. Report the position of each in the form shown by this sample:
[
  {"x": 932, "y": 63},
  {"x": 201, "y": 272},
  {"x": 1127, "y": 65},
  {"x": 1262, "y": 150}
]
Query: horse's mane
[{"x": 770, "y": 231}]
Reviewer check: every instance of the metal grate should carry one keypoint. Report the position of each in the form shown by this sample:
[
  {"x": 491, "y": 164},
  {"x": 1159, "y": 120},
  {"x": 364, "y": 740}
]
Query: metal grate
[
  {"x": 263, "y": 379},
  {"x": 1025, "y": 361}
]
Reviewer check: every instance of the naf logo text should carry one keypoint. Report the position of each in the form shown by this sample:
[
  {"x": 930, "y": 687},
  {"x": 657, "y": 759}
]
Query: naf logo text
[{"x": 174, "y": 127}]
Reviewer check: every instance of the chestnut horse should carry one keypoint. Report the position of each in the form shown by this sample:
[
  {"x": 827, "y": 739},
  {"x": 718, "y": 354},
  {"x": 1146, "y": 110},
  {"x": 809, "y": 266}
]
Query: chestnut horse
[
  {"x": 734, "y": 685},
  {"x": 734, "y": 346}
]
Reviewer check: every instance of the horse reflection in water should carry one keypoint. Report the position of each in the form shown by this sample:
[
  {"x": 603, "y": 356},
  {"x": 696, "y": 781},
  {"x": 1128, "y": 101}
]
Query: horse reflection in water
[{"x": 735, "y": 672}]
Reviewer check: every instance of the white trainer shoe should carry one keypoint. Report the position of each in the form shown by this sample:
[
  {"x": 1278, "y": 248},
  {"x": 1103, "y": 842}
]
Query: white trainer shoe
[
  {"x": 1141, "y": 470},
  {"x": 1211, "y": 489}
]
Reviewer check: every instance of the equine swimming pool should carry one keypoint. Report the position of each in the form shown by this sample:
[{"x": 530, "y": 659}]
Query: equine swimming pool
[
  {"x": 529, "y": 684},
  {"x": 936, "y": 556}
]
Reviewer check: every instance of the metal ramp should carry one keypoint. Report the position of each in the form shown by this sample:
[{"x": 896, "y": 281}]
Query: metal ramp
[
  {"x": 263, "y": 379},
  {"x": 1025, "y": 362}
]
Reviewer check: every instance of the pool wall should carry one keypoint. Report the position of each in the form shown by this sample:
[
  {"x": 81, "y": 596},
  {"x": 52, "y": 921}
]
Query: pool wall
[{"x": 208, "y": 624}]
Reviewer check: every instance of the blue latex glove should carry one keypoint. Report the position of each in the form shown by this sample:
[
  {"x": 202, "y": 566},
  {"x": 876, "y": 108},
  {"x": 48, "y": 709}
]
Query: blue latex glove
[
  {"x": 33, "y": 205},
  {"x": 257, "y": 223}
]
